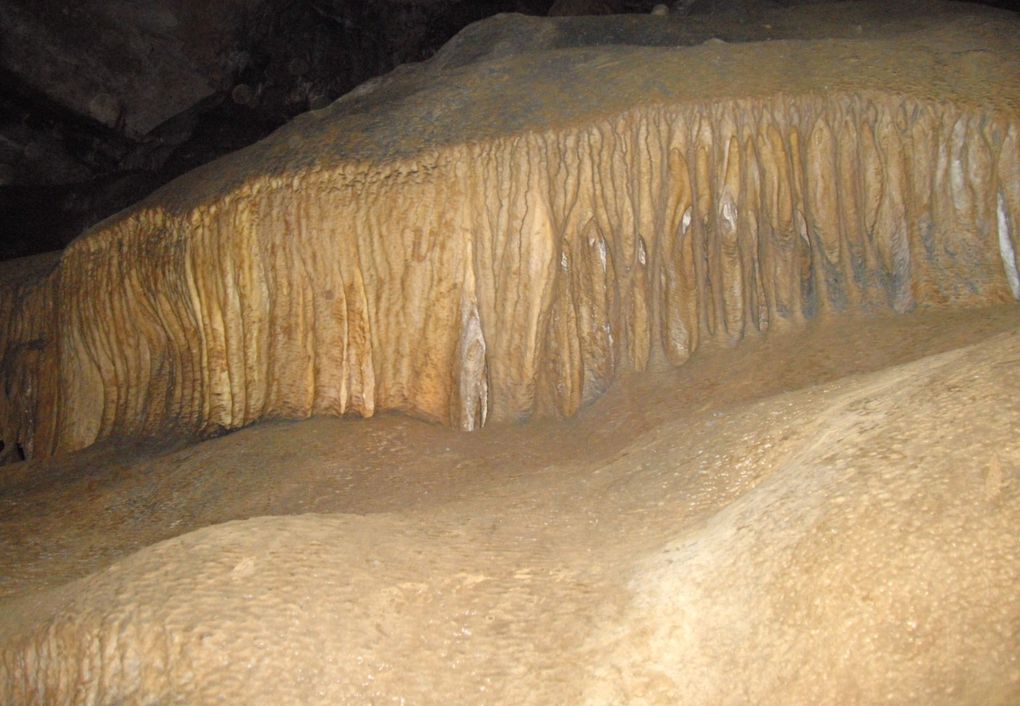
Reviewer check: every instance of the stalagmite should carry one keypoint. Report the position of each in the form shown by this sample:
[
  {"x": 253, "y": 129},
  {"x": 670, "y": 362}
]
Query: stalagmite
[{"x": 501, "y": 238}]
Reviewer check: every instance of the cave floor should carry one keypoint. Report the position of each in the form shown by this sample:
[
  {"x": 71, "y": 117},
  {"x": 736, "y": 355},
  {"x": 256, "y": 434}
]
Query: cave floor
[
  {"x": 64, "y": 518},
  {"x": 821, "y": 515}
]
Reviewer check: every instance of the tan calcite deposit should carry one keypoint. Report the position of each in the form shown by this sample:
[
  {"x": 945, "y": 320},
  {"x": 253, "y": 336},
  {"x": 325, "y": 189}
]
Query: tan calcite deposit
[
  {"x": 500, "y": 234},
  {"x": 28, "y": 318},
  {"x": 848, "y": 543},
  {"x": 829, "y": 514}
]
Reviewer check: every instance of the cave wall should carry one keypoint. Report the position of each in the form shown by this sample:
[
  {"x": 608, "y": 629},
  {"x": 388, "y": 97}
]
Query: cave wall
[
  {"x": 509, "y": 283},
  {"x": 517, "y": 272}
]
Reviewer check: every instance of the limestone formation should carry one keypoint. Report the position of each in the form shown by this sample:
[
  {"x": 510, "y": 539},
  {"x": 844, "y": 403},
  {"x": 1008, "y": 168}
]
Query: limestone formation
[
  {"x": 27, "y": 322},
  {"x": 495, "y": 237},
  {"x": 852, "y": 543}
]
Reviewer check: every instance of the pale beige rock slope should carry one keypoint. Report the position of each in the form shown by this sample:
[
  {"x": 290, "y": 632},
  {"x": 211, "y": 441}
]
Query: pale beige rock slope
[
  {"x": 504, "y": 231},
  {"x": 851, "y": 543}
]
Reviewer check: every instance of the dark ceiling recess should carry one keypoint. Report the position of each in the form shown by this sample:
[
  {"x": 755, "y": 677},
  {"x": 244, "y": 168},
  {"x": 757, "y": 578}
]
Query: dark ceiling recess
[{"x": 102, "y": 101}]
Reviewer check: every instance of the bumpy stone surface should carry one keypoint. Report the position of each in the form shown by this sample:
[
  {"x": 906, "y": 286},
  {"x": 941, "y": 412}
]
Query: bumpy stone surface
[
  {"x": 501, "y": 237},
  {"x": 849, "y": 543}
]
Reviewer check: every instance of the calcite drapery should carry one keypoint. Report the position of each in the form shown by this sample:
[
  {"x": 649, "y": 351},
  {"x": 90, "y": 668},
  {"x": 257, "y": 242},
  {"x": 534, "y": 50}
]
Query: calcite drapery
[{"x": 502, "y": 238}]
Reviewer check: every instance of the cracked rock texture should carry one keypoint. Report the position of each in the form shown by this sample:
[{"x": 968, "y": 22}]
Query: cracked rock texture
[{"x": 500, "y": 238}]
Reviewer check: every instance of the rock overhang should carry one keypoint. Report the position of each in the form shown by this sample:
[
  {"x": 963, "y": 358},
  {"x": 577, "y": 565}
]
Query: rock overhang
[{"x": 883, "y": 170}]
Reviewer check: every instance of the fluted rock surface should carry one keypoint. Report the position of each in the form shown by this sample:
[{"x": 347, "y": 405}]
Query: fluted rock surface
[
  {"x": 27, "y": 355},
  {"x": 501, "y": 237}
]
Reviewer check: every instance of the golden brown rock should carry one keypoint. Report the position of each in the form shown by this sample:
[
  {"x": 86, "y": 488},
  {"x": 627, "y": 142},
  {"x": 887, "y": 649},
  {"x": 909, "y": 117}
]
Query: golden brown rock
[
  {"x": 503, "y": 238},
  {"x": 27, "y": 356}
]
